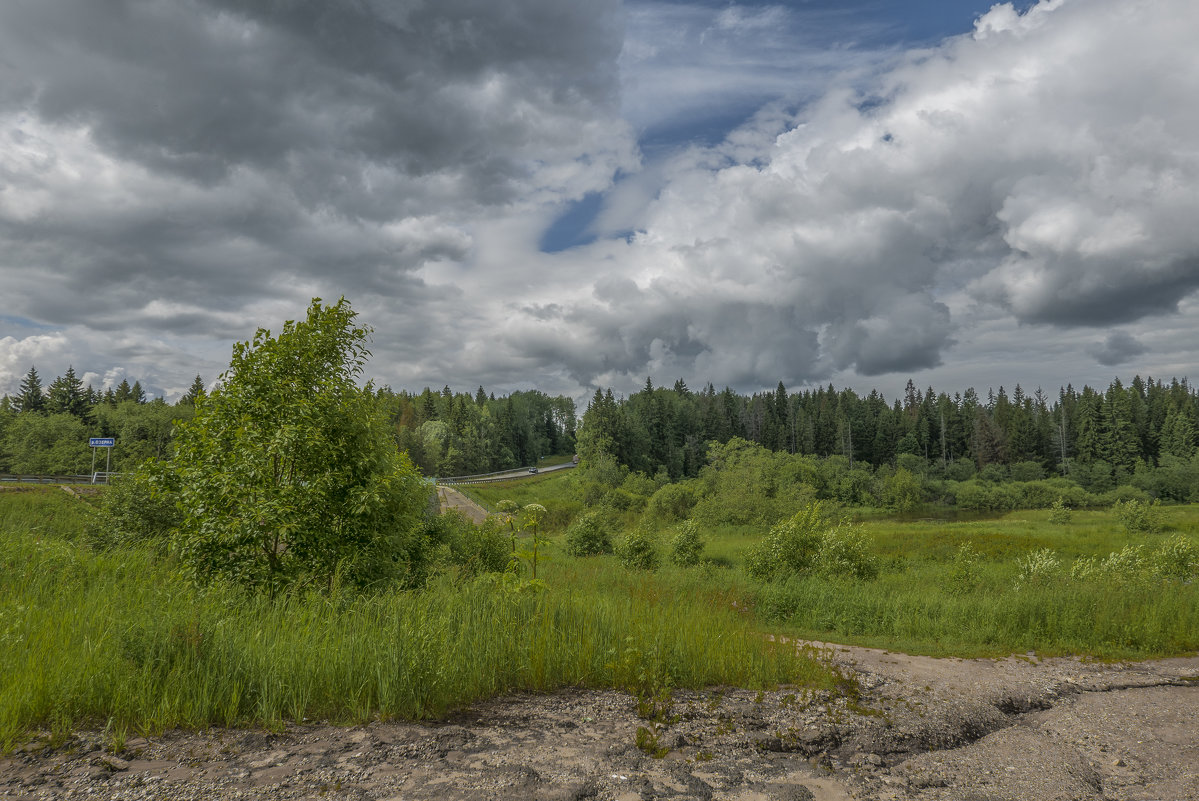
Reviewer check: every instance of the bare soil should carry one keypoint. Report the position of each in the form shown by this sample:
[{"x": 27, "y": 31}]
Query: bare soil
[{"x": 919, "y": 728}]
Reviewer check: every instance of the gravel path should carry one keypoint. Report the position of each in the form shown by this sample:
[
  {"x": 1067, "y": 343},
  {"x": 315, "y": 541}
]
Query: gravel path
[
  {"x": 968, "y": 730},
  {"x": 453, "y": 499}
]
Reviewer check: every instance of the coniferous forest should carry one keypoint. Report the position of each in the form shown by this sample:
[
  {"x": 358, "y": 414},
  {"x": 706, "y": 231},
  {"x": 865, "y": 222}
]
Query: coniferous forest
[{"x": 1099, "y": 439}]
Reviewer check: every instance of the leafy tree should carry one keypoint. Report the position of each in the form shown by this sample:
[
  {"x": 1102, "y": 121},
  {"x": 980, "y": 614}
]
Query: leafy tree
[
  {"x": 289, "y": 471},
  {"x": 47, "y": 443}
]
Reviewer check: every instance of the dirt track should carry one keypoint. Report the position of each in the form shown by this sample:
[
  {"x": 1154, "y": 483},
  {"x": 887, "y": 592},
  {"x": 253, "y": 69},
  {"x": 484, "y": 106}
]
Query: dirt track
[
  {"x": 451, "y": 498},
  {"x": 923, "y": 729}
]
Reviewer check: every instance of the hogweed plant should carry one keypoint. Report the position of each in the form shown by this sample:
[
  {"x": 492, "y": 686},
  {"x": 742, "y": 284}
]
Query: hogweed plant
[{"x": 533, "y": 513}]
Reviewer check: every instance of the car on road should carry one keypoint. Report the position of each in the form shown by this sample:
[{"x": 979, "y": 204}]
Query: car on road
[{"x": 532, "y": 469}]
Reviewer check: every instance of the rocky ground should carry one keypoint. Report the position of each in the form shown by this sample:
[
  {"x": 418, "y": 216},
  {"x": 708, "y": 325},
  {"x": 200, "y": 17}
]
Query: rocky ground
[{"x": 920, "y": 728}]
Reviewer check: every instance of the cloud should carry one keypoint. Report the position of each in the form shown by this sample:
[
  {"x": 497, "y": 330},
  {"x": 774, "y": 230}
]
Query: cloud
[
  {"x": 174, "y": 174},
  {"x": 193, "y": 169},
  {"x": 1045, "y": 166},
  {"x": 1119, "y": 348}
]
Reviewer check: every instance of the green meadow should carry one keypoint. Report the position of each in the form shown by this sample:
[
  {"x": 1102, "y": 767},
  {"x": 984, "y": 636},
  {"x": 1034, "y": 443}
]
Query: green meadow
[{"x": 119, "y": 639}]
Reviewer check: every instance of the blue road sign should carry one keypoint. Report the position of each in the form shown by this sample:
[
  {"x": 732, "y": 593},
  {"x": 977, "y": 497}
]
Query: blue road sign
[{"x": 102, "y": 442}]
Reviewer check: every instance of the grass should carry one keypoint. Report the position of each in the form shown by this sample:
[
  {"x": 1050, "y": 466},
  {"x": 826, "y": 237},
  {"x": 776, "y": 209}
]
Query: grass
[
  {"x": 919, "y": 605},
  {"x": 120, "y": 639},
  {"x": 554, "y": 491}
]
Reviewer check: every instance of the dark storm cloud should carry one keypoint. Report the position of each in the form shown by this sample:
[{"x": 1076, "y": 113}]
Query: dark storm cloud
[
  {"x": 203, "y": 87},
  {"x": 186, "y": 167},
  {"x": 1118, "y": 348}
]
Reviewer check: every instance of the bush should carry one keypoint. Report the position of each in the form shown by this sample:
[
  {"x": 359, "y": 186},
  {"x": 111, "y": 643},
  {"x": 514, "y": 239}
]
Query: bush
[
  {"x": 289, "y": 471},
  {"x": 1059, "y": 513},
  {"x": 136, "y": 508},
  {"x": 1038, "y": 568},
  {"x": 673, "y": 502},
  {"x": 964, "y": 577},
  {"x": 637, "y": 551},
  {"x": 589, "y": 535},
  {"x": 903, "y": 491},
  {"x": 1176, "y": 558},
  {"x": 792, "y": 545},
  {"x": 845, "y": 552},
  {"x": 452, "y": 539},
  {"x": 815, "y": 539},
  {"x": 1026, "y": 471},
  {"x": 687, "y": 545},
  {"x": 1138, "y": 516}
]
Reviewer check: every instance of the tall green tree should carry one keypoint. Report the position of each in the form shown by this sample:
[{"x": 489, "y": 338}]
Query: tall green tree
[
  {"x": 29, "y": 396},
  {"x": 194, "y": 392},
  {"x": 66, "y": 395},
  {"x": 289, "y": 472}
]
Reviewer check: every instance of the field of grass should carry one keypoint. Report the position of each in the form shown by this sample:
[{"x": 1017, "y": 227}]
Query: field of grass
[
  {"x": 554, "y": 491},
  {"x": 119, "y": 639},
  {"x": 925, "y": 601}
]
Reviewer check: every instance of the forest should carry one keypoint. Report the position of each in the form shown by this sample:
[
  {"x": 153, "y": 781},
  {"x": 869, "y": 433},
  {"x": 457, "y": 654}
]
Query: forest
[
  {"x": 1101, "y": 440},
  {"x": 1141, "y": 433},
  {"x": 44, "y": 430}
]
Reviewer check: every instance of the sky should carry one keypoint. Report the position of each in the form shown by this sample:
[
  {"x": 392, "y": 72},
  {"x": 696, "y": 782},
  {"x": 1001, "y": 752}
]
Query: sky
[{"x": 570, "y": 195}]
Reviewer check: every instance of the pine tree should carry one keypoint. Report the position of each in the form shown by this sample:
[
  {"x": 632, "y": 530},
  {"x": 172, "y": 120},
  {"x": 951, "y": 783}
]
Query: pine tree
[
  {"x": 136, "y": 393},
  {"x": 29, "y": 396},
  {"x": 124, "y": 391},
  {"x": 67, "y": 396},
  {"x": 194, "y": 392}
]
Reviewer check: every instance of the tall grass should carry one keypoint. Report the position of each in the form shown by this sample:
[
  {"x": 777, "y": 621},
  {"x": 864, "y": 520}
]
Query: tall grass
[
  {"x": 120, "y": 638},
  {"x": 916, "y": 605}
]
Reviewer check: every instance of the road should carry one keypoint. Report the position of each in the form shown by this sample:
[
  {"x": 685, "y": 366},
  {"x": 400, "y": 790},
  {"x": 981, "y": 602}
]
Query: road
[{"x": 509, "y": 475}]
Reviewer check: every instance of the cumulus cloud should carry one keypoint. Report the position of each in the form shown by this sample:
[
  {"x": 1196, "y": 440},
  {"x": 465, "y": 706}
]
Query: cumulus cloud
[
  {"x": 173, "y": 174},
  {"x": 1046, "y": 166}
]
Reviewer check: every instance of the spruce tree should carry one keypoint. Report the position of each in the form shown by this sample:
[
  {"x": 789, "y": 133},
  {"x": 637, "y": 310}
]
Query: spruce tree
[
  {"x": 29, "y": 395},
  {"x": 194, "y": 392},
  {"x": 67, "y": 396}
]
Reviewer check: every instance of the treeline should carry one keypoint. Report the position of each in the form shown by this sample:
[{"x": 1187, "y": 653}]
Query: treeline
[
  {"x": 452, "y": 434},
  {"x": 44, "y": 430},
  {"x": 1100, "y": 439}
]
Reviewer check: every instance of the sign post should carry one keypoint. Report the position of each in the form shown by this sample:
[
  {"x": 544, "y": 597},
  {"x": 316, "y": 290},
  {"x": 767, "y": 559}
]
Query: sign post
[{"x": 108, "y": 443}]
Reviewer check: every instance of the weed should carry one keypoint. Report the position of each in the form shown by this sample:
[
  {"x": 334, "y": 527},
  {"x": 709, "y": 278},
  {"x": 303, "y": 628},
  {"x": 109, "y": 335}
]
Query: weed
[{"x": 650, "y": 743}]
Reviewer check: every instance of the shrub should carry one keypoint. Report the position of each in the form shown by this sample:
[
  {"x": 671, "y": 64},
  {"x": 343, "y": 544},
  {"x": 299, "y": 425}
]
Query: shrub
[
  {"x": 687, "y": 545},
  {"x": 963, "y": 577},
  {"x": 1059, "y": 513},
  {"x": 289, "y": 471},
  {"x": 903, "y": 491},
  {"x": 792, "y": 545},
  {"x": 1038, "y": 568},
  {"x": 845, "y": 551},
  {"x": 673, "y": 502},
  {"x": 589, "y": 535},
  {"x": 136, "y": 508},
  {"x": 1177, "y": 558},
  {"x": 454, "y": 540},
  {"x": 815, "y": 539},
  {"x": 1026, "y": 471},
  {"x": 637, "y": 550},
  {"x": 1138, "y": 516}
]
